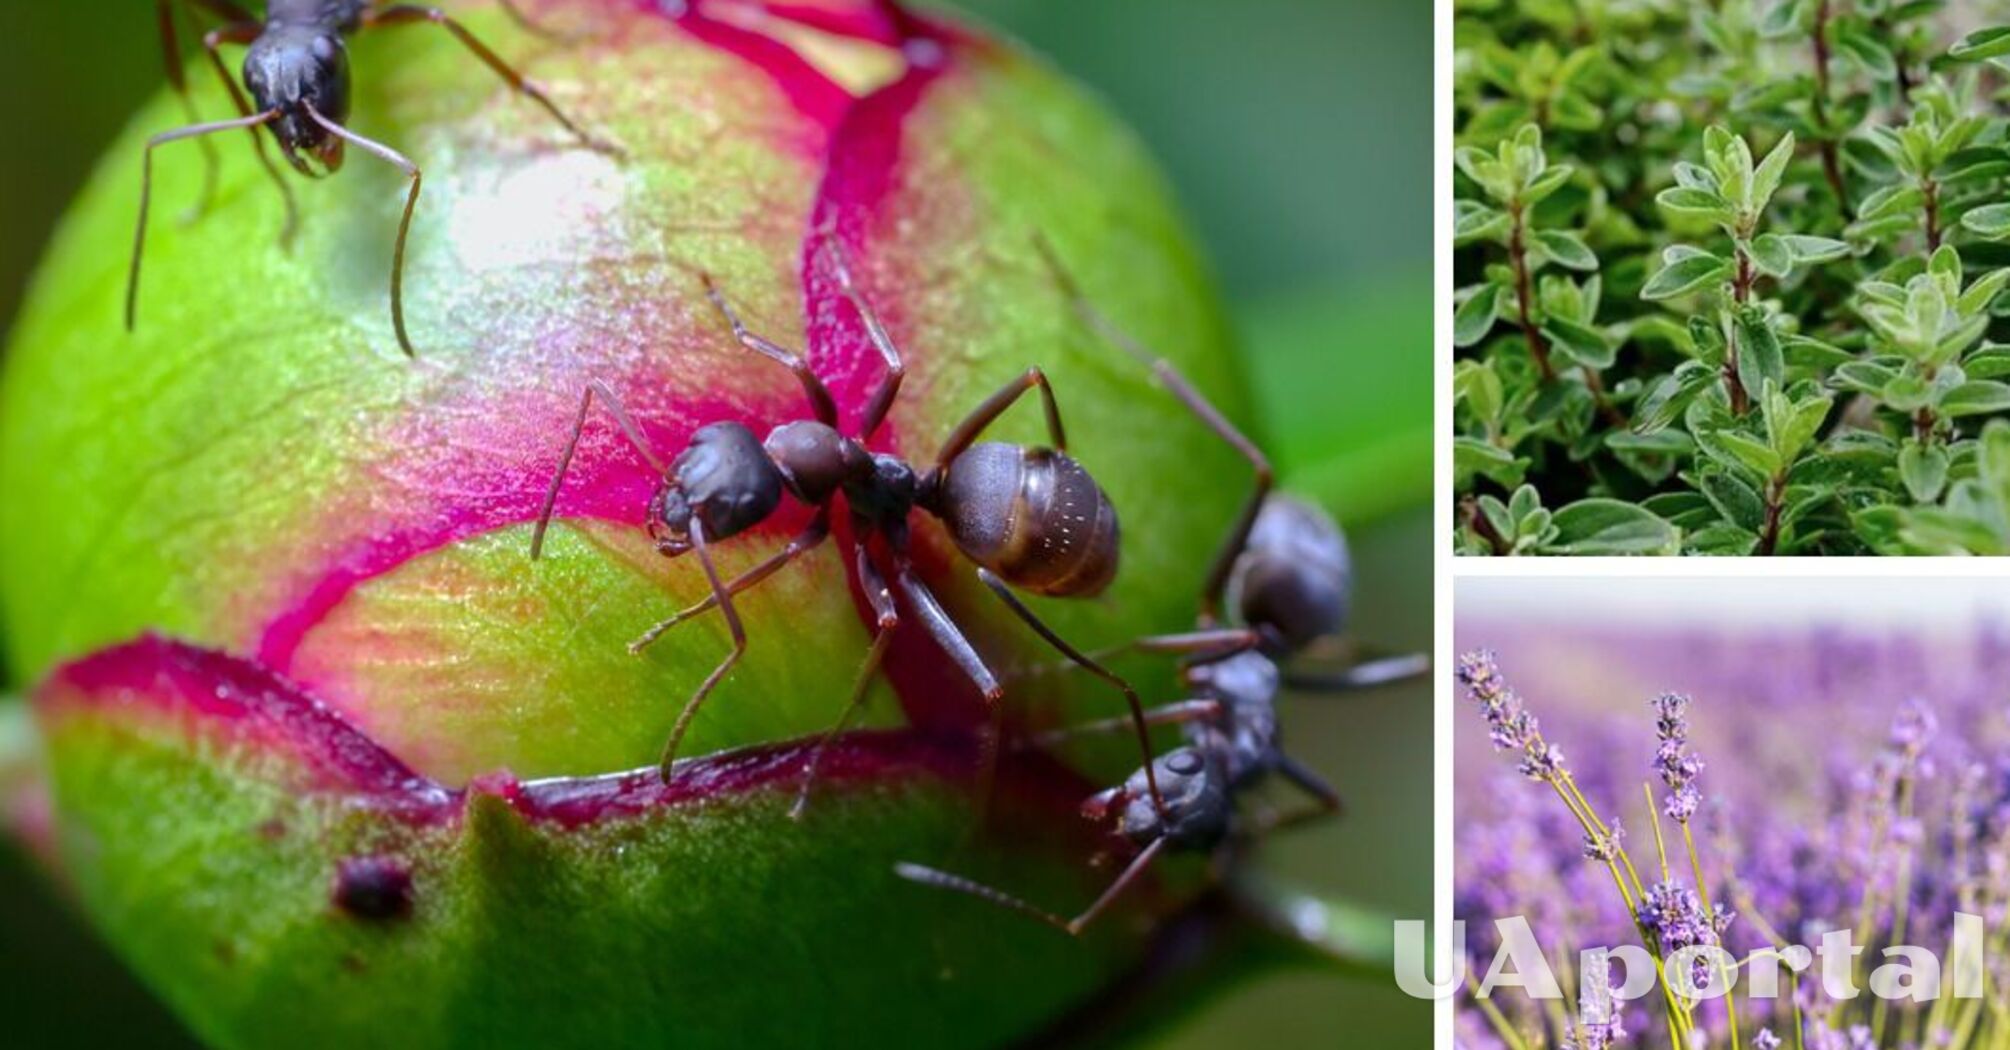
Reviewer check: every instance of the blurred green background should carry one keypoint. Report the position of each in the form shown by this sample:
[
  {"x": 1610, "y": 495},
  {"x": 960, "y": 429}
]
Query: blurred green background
[{"x": 1298, "y": 135}]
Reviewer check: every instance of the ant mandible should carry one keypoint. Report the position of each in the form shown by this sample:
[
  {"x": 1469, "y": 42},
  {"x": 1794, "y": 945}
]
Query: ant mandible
[
  {"x": 1285, "y": 566},
  {"x": 1029, "y": 517},
  {"x": 296, "y": 69}
]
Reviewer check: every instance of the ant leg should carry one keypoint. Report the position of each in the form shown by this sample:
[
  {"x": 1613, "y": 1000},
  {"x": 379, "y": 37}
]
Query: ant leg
[
  {"x": 1200, "y": 406},
  {"x": 873, "y": 583},
  {"x": 819, "y": 395},
  {"x": 411, "y": 170},
  {"x": 896, "y": 371},
  {"x": 1046, "y": 633},
  {"x": 621, "y": 419},
  {"x": 945, "y": 632},
  {"x": 244, "y": 32},
  {"x": 523, "y": 21},
  {"x": 943, "y": 880},
  {"x": 732, "y": 616},
  {"x": 1326, "y": 801},
  {"x": 1386, "y": 671},
  {"x": 812, "y": 535},
  {"x": 967, "y": 432},
  {"x": 1167, "y": 715},
  {"x": 411, "y": 14},
  {"x": 178, "y": 80},
  {"x": 1208, "y": 644},
  {"x": 1202, "y": 646},
  {"x": 147, "y": 191}
]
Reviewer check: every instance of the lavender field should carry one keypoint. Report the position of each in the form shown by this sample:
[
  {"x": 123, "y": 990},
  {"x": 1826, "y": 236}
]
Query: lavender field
[{"x": 1811, "y": 773}]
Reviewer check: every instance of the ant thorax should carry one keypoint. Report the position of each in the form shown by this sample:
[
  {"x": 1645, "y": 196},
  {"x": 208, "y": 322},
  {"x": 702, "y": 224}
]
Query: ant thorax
[
  {"x": 1246, "y": 685},
  {"x": 344, "y": 15}
]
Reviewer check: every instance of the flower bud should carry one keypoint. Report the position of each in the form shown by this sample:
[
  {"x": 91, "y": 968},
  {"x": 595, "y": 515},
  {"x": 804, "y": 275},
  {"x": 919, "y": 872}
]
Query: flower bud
[{"x": 324, "y": 742}]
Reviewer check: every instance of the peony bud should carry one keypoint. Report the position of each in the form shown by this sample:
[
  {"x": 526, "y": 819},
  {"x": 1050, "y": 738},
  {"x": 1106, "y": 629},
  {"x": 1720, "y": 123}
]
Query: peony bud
[{"x": 323, "y": 742}]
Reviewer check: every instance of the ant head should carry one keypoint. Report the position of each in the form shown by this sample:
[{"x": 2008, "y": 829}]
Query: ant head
[
  {"x": 723, "y": 479},
  {"x": 289, "y": 68},
  {"x": 1294, "y": 576},
  {"x": 1197, "y": 806},
  {"x": 816, "y": 460}
]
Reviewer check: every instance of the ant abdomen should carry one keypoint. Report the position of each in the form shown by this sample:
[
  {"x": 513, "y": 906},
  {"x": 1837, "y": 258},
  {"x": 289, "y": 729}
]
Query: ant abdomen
[
  {"x": 1295, "y": 574},
  {"x": 1033, "y": 516}
]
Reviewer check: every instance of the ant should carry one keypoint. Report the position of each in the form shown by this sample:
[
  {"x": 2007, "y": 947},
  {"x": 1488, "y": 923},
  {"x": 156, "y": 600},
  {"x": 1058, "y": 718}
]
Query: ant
[
  {"x": 1285, "y": 566},
  {"x": 296, "y": 70},
  {"x": 1029, "y": 517}
]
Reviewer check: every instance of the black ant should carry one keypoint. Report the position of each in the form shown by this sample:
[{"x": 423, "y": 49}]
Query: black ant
[
  {"x": 1028, "y": 516},
  {"x": 1285, "y": 567},
  {"x": 296, "y": 69}
]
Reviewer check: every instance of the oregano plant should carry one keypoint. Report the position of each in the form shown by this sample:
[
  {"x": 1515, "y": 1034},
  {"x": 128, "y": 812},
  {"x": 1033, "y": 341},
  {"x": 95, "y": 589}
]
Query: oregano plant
[{"x": 1729, "y": 278}]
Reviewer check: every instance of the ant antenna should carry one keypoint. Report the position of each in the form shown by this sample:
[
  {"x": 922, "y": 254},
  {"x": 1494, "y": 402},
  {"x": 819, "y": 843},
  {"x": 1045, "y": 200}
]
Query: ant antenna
[
  {"x": 193, "y": 131},
  {"x": 1072, "y": 927},
  {"x": 412, "y": 173},
  {"x": 628, "y": 429}
]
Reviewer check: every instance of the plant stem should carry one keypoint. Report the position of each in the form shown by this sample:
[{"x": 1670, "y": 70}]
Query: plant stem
[
  {"x": 1776, "y": 494},
  {"x": 1932, "y": 191},
  {"x": 1538, "y": 347},
  {"x": 1524, "y": 290},
  {"x": 1831, "y": 168},
  {"x": 1703, "y": 891},
  {"x": 1741, "y": 293},
  {"x": 1494, "y": 1016}
]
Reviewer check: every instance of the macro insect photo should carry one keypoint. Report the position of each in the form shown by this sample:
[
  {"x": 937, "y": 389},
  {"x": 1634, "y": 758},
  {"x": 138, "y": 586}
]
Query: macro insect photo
[
  {"x": 1730, "y": 278},
  {"x": 714, "y": 522},
  {"x": 1788, "y": 802}
]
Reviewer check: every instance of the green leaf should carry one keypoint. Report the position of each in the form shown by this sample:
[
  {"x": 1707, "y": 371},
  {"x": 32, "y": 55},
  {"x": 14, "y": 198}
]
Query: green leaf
[
  {"x": 1737, "y": 501},
  {"x": 1473, "y": 221},
  {"x": 1581, "y": 344},
  {"x": 1975, "y": 398},
  {"x": 1760, "y": 360},
  {"x": 1476, "y": 315},
  {"x": 1990, "y": 220},
  {"x": 1686, "y": 275},
  {"x": 1611, "y": 528},
  {"x": 1923, "y": 469},
  {"x": 1772, "y": 256},
  {"x": 1740, "y": 450},
  {"x": 1809, "y": 250},
  {"x": 1473, "y": 458},
  {"x": 1982, "y": 44},
  {"x": 1608, "y": 526},
  {"x": 1566, "y": 249},
  {"x": 1671, "y": 394},
  {"x": 1476, "y": 385},
  {"x": 1766, "y": 178},
  {"x": 1685, "y": 200}
]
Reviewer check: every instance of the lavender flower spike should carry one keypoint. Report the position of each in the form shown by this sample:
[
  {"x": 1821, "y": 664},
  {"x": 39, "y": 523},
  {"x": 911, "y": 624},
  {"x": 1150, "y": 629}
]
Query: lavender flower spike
[
  {"x": 1677, "y": 765},
  {"x": 1509, "y": 724}
]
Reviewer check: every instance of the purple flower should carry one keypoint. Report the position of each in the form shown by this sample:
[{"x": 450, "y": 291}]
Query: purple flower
[
  {"x": 1509, "y": 725},
  {"x": 1765, "y": 1040},
  {"x": 1607, "y": 846},
  {"x": 1673, "y": 760}
]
